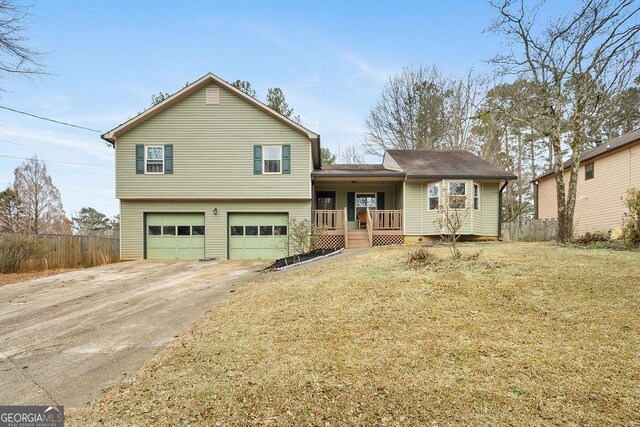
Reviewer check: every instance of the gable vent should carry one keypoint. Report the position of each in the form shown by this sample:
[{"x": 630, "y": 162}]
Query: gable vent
[{"x": 213, "y": 95}]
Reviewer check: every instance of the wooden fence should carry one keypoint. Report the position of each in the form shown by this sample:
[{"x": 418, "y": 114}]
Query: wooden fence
[
  {"x": 535, "y": 230},
  {"x": 74, "y": 252}
]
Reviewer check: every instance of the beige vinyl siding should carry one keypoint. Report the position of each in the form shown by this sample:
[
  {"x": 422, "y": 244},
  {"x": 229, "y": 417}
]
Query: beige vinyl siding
[
  {"x": 390, "y": 163},
  {"x": 420, "y": 221},
  {"x": 132, "y": 218},
  {"x": 342, "y": 190},
  {"x": 599, "y": 204},
  {"x": 399, "y": 195},
  {"x": 488, "y": 214},
  {"x": 213, "y": 153}
]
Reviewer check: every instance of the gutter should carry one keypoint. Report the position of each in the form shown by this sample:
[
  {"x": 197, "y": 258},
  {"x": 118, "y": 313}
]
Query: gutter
[{"x": 506, "y": 182}]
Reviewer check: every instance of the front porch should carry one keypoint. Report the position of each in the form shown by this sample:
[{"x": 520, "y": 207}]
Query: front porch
[
  {"x": 358, "y": 206},
  {"x": 375, "y": 228}
]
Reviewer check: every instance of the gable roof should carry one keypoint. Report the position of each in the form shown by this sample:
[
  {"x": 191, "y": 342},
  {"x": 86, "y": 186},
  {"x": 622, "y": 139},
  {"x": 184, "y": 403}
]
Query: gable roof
[
  {"x": 603, "y": 149},
  {"x": 209, "y": 78},
  {"x": 450, "y": 164}
]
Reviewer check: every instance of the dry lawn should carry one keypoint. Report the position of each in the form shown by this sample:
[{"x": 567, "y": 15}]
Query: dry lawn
[
  {"x": 526, "y": 334},
  {"x": 6, "y": 279}
]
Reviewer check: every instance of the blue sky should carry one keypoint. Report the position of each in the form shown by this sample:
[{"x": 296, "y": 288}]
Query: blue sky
[{"x": 331, "y": 58}]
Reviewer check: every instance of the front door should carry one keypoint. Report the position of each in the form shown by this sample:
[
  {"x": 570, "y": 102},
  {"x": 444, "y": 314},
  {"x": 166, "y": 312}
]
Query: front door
[{"x": 325, "y": 200}]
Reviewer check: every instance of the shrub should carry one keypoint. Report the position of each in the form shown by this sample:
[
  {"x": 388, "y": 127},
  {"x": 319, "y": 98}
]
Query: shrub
[
  {"x": 16, "y": 249},
  {"x": 420, "y": 258},
  {"x": 593, "y": 237},
  {"x": 631, "y": 224}
]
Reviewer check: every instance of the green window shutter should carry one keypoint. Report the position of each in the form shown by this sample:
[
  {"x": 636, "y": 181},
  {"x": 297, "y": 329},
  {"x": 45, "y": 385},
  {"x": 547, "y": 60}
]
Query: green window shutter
[
  {"x": 286, "y": 159},
  {"x": 380, "y": 200},
  {"x": 351, "y": 206},
  {"x": 168, "y": 158},
  {"x": 139, "y": 158},
  {"x": 257, "y": 159}
]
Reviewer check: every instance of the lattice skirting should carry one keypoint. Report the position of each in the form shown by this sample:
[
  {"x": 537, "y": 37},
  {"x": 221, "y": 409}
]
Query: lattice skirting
[
  {"x": 382, "y": 240},
  {"x": 328, "y": 242}
]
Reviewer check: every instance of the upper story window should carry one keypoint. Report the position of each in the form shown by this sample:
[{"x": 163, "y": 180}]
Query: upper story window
[
  {"x": 457, "y": 195},
  {"x": 272, "y": 159},
  {"x": 434, "y": 195},
  {"x": 476, "y": 197},
  {"x": 154, "y": 159},
  {"x": 588, "y": 171}
]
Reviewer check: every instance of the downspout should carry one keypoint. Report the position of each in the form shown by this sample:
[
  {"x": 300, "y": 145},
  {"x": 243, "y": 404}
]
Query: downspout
[{"x": 506, "y": 182}]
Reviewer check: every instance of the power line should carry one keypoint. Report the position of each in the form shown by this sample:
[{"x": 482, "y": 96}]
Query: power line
[
  {"x": 56, "y": 161},
  {"x": 24, "y": 145},
  {"x": 50, "y": 120}
]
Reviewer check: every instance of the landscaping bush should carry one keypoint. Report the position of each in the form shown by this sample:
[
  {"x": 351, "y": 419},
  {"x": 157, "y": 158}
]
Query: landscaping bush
[
  {"x": 421, "y": 257},
  {"x": 631, "y": 224},
  {"x": 16, "y": 249},
  {"x": 591, "y": 237}
]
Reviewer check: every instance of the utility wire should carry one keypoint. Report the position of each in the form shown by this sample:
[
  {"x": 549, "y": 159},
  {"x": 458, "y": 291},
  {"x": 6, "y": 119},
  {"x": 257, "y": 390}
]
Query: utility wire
[
  {"x": 50, "y": 120},
  {"x": 56, "y": 161},
  {"x": 25, "y": 145}
]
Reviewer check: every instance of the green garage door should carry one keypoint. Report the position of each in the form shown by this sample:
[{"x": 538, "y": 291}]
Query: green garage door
[
  {"x": 175, "y": 235},
  {"x": 258, "y": 235}
]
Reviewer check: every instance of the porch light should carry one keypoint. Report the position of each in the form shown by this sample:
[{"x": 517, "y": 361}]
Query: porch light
[{"x": 215, "y": 211}]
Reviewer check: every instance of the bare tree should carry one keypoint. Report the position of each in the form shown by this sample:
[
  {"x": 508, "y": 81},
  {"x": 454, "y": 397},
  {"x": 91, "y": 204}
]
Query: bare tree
[
  {"x": 452, "y": 216},
  {"x": 420, "y": 107},
  {"x": 350, "y": 155},
  {"x": 16, "y": 57},
  {"x": 574, "y": 63},
  {"x": 40, "y": 200}
]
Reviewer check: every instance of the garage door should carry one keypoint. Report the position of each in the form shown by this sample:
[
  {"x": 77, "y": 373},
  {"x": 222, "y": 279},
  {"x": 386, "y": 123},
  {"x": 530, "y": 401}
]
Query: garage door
[
  {"x": 258, "y": 235},
  {"x": 175, "y": 235}
]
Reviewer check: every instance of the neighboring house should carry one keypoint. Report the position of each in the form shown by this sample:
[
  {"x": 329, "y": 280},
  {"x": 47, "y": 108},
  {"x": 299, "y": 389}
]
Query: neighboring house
[
  {"x": 212, "y": 172},
  {"x": 606, "y": 173}
]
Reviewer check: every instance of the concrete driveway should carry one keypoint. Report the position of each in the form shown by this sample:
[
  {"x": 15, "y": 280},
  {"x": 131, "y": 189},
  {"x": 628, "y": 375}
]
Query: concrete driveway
[{"x": 66, "y": 338}]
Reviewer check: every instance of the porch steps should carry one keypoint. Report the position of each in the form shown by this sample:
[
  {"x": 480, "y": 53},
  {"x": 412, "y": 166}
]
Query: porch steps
[{"x": 358, "y": 239}]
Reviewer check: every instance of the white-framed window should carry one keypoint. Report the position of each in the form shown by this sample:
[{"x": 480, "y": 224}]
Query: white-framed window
[
  {"x": 476, "y": 197},
  {"x": 154, "y": 159},
  {"x": 457, "y": 195},
  {"x": 364, "y": 201},
  {"x": 433, "y": 191},
  {"x": 271, "y": 159}
]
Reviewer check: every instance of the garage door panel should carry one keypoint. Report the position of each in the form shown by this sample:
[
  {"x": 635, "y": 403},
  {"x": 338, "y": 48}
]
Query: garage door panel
[
  {"x": 253, "y": 235},
  {"x": 175, "y": 235}
]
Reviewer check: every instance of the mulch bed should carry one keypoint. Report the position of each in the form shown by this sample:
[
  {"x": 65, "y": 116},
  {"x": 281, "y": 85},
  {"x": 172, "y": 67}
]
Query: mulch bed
[{"x": 296, "y": 259}]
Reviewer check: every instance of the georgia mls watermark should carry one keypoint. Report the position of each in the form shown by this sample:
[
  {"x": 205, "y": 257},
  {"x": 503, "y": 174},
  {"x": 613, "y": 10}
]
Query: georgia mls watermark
[{"x": 31, "y": 416}]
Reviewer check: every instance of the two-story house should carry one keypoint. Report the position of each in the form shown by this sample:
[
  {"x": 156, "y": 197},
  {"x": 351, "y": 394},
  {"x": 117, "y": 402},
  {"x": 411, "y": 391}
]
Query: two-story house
[
  {"x": 606, "y": 173},
  {"x": 213, "y": 172}
]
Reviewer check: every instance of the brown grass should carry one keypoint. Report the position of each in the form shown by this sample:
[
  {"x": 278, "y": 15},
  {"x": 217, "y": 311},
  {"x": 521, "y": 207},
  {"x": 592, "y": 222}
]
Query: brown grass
[
  {"x": 6, "y": 279},
  {"x": 523, "y": 334}
]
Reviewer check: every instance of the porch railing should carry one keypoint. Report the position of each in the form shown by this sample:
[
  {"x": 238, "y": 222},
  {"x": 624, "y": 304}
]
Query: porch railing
[
  {"x": 330, "y": 219},
  {"x": 386, "y": 219},
  {"x": 370, "y": 227}
]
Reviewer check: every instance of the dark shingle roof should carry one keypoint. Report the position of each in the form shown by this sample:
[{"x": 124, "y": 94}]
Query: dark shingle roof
[
  {"x": 603, "y": 149},
  {"x": 450, "y": 164},
  {"x": 356, "y": 171}
]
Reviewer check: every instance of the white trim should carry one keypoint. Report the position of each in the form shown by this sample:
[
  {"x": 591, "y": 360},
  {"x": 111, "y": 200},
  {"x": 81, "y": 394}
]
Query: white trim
[
  {"x": 264, "y": 160},
  {"x": 208, "y": 78},
  {"x": 145, "y": 159},
  {"x": 466, "y": 193},
  {"x": 474, "y": 196},
  {"x": 437, "y": 184},
  {"x": 355, "y": 202}
]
